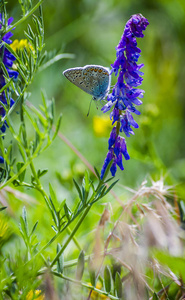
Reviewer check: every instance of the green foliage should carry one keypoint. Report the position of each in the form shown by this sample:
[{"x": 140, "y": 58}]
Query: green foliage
[
  {"x": 80, "y": 266},
  {"x": 118, "y": 285},
  {"x": 107, "y": 279},
  {"x": 133, "y": 247}
]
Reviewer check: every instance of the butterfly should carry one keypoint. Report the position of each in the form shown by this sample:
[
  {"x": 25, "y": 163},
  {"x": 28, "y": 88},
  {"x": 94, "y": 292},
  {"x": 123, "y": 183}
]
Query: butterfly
[{"x": 92, "y": 79}]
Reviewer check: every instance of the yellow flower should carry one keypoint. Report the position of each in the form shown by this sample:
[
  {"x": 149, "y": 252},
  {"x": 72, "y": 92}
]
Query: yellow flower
[
  {"x": 96, "y": 296},
  {"x": 20, "y": 45},
  {"x": 5, "y": 231},
  {"x": 102, "y": 125},
  {"x": 36, "y": 295}
]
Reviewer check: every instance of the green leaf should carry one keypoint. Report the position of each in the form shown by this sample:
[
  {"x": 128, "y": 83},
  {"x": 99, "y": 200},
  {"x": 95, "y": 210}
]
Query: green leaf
[
  {"x": 155, "y": 297},
  {"x": 86, "y": 181},
  {"x": 57, "y": 127},
  {"x": 80, "y": 266},
  {"x": 22, "y": 175},
  {"x": 78, "y": 188},
  {"x": 41, "y": 173},
  {"x": 84, "y": 195},
  {"x": 53, "y": 197},
  {"x": 97, "y": 173},
  {"x": 67, "y": 212},
  {"x": 60, "y": 261},
  {"x": 92, "y": 273},
  {"x": 2, "y": 208},
  {"x": 54, "y": 228},
  {"x": 6, "y": 85},
  {"x": 109, "y": 179},
  {"x": 34, "y": 228},
  {"x": 37, "y": 24},
  {"x": 110, "y": 187},
  {"x": 62, "y": 204},
  {"x": 4, "y": 70},
  {"x": 30, "y": 32},
  {"x": 107, "y": 279},
  {"x": 118, "y": 285},
  {"x": 23, "y": 75},
  {"x": 23, "y": 222}
]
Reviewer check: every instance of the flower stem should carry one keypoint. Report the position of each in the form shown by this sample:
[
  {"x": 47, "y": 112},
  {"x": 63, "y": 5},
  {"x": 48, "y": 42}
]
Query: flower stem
[
  {"x": 25, "y": 16},
  {"x": 71, "y": 236},
  {"x": 82, "y": 284}
]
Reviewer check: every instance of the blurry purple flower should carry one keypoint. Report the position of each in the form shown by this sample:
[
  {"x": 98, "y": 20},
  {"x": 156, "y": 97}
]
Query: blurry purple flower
[{"x": 125, "y": 92}]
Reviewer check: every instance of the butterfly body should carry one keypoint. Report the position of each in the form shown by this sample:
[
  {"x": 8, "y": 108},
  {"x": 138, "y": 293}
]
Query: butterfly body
[{"x": 92, "y": 79}]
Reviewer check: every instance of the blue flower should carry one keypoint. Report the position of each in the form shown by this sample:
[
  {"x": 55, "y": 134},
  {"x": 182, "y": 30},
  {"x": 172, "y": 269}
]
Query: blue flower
[
  {"x": 125, "y": 93},
  {"x": 8, "y": 59},
  {"x": 1, "y": 160}
]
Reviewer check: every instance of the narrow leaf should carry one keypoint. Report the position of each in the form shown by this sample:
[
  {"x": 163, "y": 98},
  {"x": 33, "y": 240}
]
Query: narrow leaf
[
  {"x": 78, "y": 188},
  {"x": 41, "y": 173},
  {"x": 2, "y": 208},
  {"x": 91, "y": 273},
  {"x": 34, "y": 228},
  {"x": 60, "y": 261},
  {"x": 110, "y": 187},
  {"x": 57, "y": 127},
  {"x": 22, "y": 175},
  {"x": 118, "y": 285},
  {"x": 107, "y": 279},
  {"x": 155, "y": 297},
  {"x": 66, "y": 210},
  {"x": 80, "y": 266},
  {"x": 53, "y": 197},
  {"x": 97, "y": 173},
  {"x": 24, "y": 217}
]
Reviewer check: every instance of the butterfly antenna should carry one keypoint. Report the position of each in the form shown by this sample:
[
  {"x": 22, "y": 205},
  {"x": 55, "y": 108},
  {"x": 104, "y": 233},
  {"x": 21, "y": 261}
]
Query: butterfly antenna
[{"x": 89, "y": 107}]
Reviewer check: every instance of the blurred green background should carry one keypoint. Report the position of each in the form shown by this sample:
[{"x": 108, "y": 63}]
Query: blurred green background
[{"x": 91, "y": 30}]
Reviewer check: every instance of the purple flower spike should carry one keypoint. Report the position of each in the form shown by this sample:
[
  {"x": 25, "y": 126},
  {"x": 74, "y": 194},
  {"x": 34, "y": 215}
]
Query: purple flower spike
[
  {"x": 125, "y": 93},
  {"x": 8, "y": 59}
]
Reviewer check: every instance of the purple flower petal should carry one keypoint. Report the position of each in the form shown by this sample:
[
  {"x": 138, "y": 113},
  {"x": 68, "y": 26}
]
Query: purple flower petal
[
  {"x": 124, "y": 149},
  {"x": 113, "y": 168},
  {"x": 109, "y": 157},
  {"x": 112, "y": 138},
  {"x": 119, "y": 161}
]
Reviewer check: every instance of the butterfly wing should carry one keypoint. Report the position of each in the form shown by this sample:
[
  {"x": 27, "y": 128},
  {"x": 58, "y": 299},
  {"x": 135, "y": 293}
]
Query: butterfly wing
[
  {"x": 97, "y": 79},
  {"x": 92, "y": 79},
  {"x": 74, "y": 75}
]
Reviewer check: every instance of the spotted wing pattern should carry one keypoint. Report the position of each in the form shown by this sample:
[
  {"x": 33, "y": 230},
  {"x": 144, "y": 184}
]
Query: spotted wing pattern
[{"x": 93, "y": 79}]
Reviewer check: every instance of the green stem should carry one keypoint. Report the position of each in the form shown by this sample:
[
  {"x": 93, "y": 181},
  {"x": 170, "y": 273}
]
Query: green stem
[
  {"x": 82, "y": 284},
  {"x": 71, "y": 236},
  {"x": 118, "y": 124},
  {"x": 69, "y": 231},
  {"x": 25, "y": 17}
]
